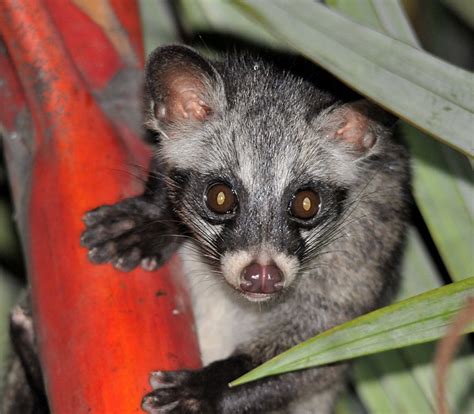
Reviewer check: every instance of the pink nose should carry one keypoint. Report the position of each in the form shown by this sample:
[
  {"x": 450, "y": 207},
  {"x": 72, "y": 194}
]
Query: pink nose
[{"x": 257, "y": 278}]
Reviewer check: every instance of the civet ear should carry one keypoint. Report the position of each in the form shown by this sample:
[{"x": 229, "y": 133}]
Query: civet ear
[
  {"x": 181, "y": 87},
  {"x": 356, "y": 124}
]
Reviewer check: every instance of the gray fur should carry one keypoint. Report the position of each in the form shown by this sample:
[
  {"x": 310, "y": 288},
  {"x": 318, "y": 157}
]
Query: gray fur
[{"x": 272, "y": 133}]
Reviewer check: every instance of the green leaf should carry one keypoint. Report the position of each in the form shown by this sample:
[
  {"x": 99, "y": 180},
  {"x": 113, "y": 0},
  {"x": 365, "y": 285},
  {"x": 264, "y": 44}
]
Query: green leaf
[
  {"x": 221, "y": 16},
  {"x": 397, "y": 380},
  {"x": 9, "y": 289},
  {"x": 348, "y": 403},
  {"x": 407, "y": 81},
  {"x": 378, "y": 385},
  {"x": 361, "y": 11},
  {"x": 158, "y": 24},
  {"x": 443, "y": 189},
  {"x": 419, "y": 319},
  {"x": 443, "y": 179},
  {"x": 385, "y": 16},
  {"x": 419, "y": 275},
  {"x": 371, "y": 390},
  {"x": 464, "y": 9}
]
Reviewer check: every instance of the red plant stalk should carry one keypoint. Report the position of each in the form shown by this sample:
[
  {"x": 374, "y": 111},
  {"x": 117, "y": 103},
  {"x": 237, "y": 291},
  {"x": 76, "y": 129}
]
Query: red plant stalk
[{"x": 100, "y": 331}]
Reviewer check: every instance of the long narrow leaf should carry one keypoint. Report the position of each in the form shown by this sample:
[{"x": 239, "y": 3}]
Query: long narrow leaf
[
  {"x": 362, "y": 11},
  {"x": 464, "y": 9},
  {"x": 394, "y": 21},
  {"x": 9, "y": 289},
  {"x": 222, "y": 17},
  {"x": 420, "y": 275},
  {"x": 158, "y": 25},
  {"x": 409, "y": 82},
  {"x": 381, "y": 387},
  {"x": 386, "y": 16},
  {"x": 396, "y": 378},
  {"x": 374, "y": 395},
  {"x": 444, "y": 193},
  {"x": 443, "y": 183},
  {"x": 419, "y": 319}
]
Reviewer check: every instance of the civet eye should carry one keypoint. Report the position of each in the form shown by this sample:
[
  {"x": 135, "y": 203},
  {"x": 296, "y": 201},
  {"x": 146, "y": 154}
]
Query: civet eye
[
  {"x": 220, "y": 198},
  {"x": 305, "y": 204}
]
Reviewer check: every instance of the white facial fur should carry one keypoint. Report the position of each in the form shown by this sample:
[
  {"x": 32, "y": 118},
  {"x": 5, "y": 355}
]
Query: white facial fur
[{"x": 234, "y": 263}]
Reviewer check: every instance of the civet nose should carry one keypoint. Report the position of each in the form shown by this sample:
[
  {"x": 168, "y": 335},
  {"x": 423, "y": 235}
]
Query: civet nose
[{"x": 257, "y": 278}]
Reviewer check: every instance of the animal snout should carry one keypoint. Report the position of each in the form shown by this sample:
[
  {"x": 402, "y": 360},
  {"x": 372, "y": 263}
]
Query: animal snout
[{"x": 257, "y": 278}]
